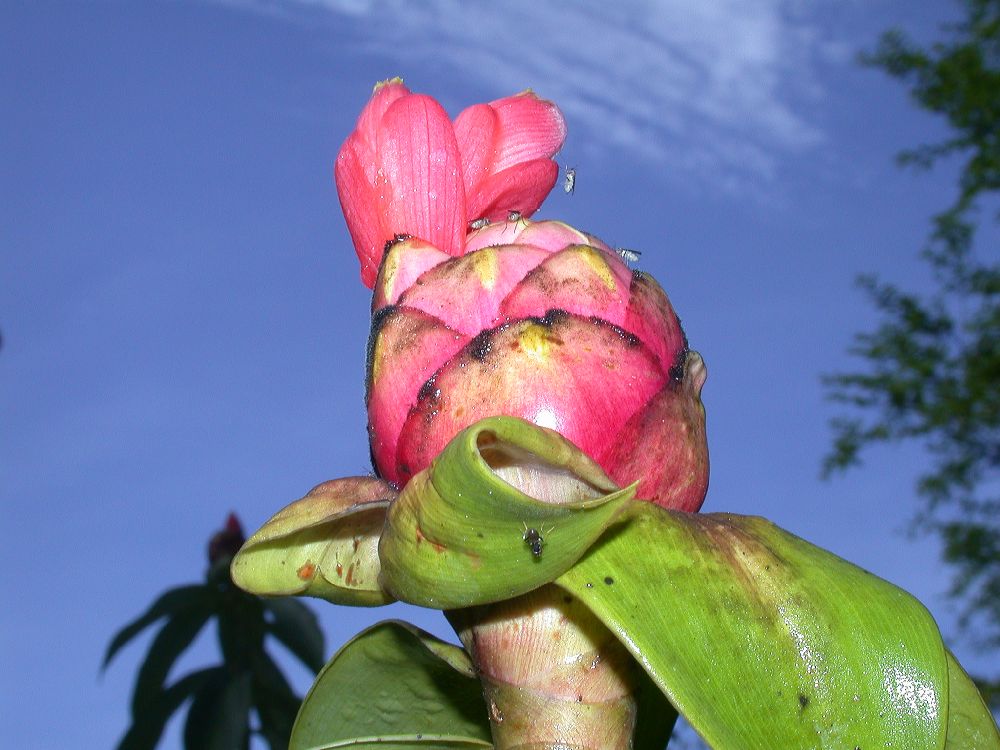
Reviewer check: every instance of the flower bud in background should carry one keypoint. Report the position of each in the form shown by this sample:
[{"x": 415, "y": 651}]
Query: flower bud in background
[{"x": 226, "y": 542}]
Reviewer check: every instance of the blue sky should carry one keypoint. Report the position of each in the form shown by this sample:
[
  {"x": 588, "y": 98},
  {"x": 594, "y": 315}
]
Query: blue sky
[{"x": 184, "y": 329}]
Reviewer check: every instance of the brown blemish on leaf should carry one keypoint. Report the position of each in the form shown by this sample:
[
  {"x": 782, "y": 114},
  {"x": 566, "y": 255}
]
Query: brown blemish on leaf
[
  {"x": 421, "y": 538},
  {"x": 306, "y": 571}
]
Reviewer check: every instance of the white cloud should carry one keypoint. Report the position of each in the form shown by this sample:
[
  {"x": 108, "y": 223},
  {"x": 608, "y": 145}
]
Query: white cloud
[{"x": 716, "y": 85}]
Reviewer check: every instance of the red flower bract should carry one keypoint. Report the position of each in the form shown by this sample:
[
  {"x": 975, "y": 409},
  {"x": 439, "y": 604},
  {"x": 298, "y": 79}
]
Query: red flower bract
[
  {"x": 550, "y": 326},
  {"x": 407, "y": 170},
  {"x": 533, "y": 320}
]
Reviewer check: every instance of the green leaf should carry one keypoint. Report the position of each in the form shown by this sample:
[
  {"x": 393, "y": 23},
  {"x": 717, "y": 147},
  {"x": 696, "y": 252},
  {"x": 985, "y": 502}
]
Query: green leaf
[
  {"x": 275, "y": 701},
  {"x": 970, "y": 724},
  {"x": 761, "y": 639},
  {"x": 219, "y": 715},
  {"x": 147, "y": 727},
  {"x": 175, "y": 636},
  {"x": 323, "y": 545},
  {"x": 297, "y": 628},
  {"x": 240, "y": 628},
  {"x": 456, "y": 536},
  {"x": 395, "y": 687},
  {"x": 166, "y": 604}
]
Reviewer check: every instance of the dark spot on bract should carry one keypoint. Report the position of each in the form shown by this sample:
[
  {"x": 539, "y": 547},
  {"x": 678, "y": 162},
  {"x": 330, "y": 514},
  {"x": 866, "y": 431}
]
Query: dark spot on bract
[
  {"x": 676, "y": 371},
  {"x": 429, "y": 390},
  {"x": 630, "y": 339},
  {"x": 552, "y": 317},
  {"x": 480, "y": 346},
  {"x": 803, "y": 701},
  {"x": 398, "y": 237},
  {"x": 609, "y": 580}
]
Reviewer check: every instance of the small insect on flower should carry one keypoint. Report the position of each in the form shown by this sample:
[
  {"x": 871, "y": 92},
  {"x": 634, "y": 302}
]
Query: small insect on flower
[
  {"x": 397, "y": 238},
  {"x": 478, "y": 223},
  {"x": 513, "y": 216},
  {"x": 628, "y": 255},
  {"x": 534, "y": 539},
  {"x": 569, "y": 182}
]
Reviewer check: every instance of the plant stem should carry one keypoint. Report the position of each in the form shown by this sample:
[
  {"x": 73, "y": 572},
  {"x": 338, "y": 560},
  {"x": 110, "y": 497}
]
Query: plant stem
[{"x": 553, "y": 676}]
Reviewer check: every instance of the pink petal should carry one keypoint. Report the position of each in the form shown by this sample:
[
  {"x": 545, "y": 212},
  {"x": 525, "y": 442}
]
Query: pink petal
[
  {"x": 530, "y": 128},
  {"x": 355, "y": 173},
  {"x": 420, "y": 178},
  {"x": 579, "y": 279},
  {"x": 520, "y": 188},
  {"x": 359, "y": 203},
  {"x": 507, "y": 148},
  {"x": 664, "y": 445},
  {"x": 405, "y": 349},
  {"x": 580, "y": 377},
  {"x": 476, "y": 132},
  {"x": 652, "y": 318},
  {"x": 465, "y": 293},
  {"x": 370, "y": 119}
]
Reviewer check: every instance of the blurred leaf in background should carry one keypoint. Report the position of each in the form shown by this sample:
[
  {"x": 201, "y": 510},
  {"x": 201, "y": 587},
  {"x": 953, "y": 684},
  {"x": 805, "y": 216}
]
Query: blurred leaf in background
[{"x": 245, "y": 695}]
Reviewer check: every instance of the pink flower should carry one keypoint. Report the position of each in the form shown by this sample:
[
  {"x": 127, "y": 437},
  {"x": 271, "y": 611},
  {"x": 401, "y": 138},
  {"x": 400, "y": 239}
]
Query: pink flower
[
  {"x": 539, "y": 321},
  {"x": 407, "y": 170}
]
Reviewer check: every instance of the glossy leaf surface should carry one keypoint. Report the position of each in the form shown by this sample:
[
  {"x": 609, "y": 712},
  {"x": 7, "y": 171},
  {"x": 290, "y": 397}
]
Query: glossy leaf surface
[
  {"x": 970, "y": 724},
  {"x": 763, "y": 640}
]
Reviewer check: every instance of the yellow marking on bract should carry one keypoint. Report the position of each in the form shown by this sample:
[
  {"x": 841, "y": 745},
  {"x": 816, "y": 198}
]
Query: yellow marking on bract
[
  {"x": 376, "y": 360},
  {"x": 595, "y": 259},
  {"x": 534, "y": 341},
  {"x": 486, "y": 264},
  {"x": 390, "y": 268}
]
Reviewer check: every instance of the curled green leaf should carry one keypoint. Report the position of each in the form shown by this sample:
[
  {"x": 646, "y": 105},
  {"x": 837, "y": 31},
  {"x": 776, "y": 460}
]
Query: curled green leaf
[
  {"x": 323, "y": 545},
  {"x": 505, "y": 508}
]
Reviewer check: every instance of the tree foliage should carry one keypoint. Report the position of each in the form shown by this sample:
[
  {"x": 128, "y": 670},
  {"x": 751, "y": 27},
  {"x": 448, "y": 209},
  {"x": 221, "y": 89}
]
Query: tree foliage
[
  {"x": 247, "y": 685},
  {"x": 930, "y": 371}
]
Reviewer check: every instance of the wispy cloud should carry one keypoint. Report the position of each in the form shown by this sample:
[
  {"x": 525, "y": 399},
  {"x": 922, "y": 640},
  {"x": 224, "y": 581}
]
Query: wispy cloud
[{"x": 717, "y": 88}]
